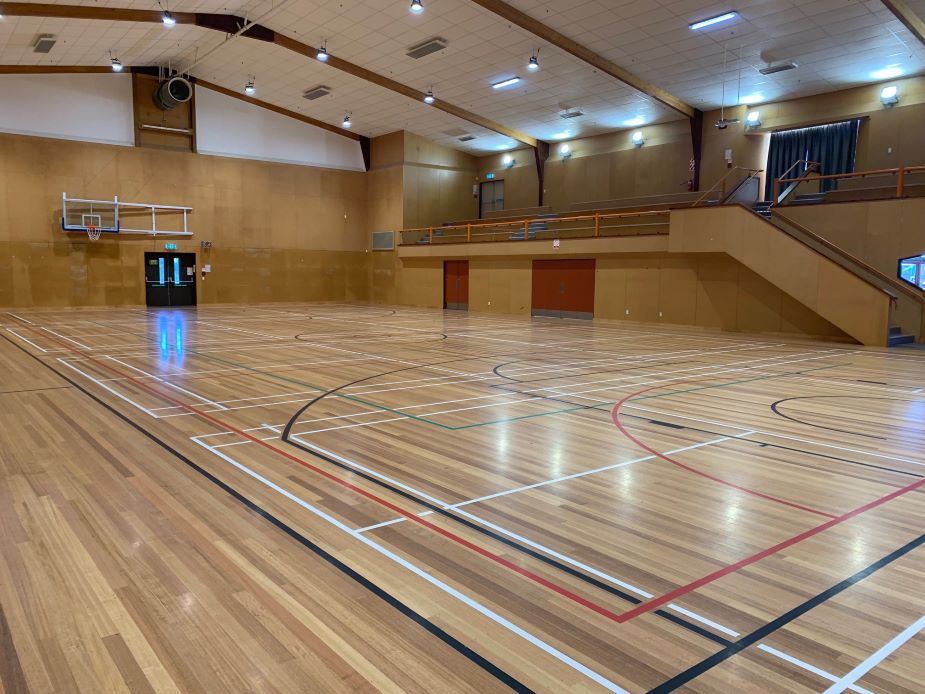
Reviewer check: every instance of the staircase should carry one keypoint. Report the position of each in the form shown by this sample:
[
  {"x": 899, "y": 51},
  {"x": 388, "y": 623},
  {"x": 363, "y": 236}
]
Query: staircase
[{"x": 762, "y": 208}]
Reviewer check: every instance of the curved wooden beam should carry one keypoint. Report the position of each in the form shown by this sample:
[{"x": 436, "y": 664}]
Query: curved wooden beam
[
  {"x": 560, "y": 40},
  {"x": 231, "y": 23}
]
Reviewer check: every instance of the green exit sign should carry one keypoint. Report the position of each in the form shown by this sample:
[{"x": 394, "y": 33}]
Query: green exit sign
[{"x": 170, "y": 246}]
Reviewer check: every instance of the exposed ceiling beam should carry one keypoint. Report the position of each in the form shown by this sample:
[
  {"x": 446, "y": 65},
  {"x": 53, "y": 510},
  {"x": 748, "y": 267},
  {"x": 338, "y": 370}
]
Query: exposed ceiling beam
[
  {"x": 910, "y": 19},
  {"x": 537, "y": 28},
  {"x": 52, "y": 69},
  {"x": 231, "y": 24},
  {"x": 277, "y": 109}
]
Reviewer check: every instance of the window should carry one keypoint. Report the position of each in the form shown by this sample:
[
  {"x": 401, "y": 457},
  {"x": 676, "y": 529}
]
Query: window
[{"x": 912, "y": 270}]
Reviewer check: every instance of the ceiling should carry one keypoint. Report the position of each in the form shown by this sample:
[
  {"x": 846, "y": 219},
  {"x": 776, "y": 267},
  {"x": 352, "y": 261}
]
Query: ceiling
[{"x": 837, "y": 43}]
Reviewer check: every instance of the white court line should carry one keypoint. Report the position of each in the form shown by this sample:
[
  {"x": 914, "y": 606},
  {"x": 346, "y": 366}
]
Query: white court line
[
  {"x": 111, "y": 390},
  {"x": 628, "y": 586},
  {"x": 436, "y": 582},
  {"x": 876, "y": 658},
  {"x": 20, "y": 318},
  {"x": 811, "y": 668},
  {"x": 65, "y": 337},
  {"x": 168, "y": 383},
  {"x": 27, "y": 340}
]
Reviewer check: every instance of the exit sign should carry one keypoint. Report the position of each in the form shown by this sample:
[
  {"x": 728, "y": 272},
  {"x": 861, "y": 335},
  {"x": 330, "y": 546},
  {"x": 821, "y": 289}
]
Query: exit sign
[
  {"x": 489, "y": 176},
  {"x": 170, "y": 246}
]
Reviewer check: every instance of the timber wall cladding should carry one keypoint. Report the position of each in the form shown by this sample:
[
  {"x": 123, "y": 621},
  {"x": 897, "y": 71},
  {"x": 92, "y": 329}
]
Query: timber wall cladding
[{"x": 280, "y": 232}]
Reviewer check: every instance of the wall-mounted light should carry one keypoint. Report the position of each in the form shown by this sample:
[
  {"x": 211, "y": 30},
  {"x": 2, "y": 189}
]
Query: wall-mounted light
[
  {"x": 249, "y": 88},
  {"x": 565, "y": 150},
  {"x": 347, "y": 124},
  {"x": 534, "y": 63},
  {"x": 322, "y": 53},
  {"x": 508, "y": 161},
  {"x": 753, "y": 120},
  {"x": 889, "y": 96},
  {"x": 638, "y": 138},
  {"x": 417, "y": 6},
  {"x": 168, "y": 19}
]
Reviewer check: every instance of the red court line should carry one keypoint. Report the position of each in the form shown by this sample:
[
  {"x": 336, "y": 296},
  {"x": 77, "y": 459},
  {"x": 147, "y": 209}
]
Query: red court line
[
  {"x": 731, "y": 568},
  {"x": 615, "y": 415},
  {"x": 526, "y": 573}
]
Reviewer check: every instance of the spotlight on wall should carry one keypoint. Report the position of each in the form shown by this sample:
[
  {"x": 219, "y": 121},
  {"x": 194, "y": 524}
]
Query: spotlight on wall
[
  {"x": 322, "y": 53},
  {"x": 753, "y": 120},
  {"x": 534, "y": 63},
  {"x": 417, "y": 6},
  {"x": 249, "y": 88},
  {"x": 429, "y": 96},
  {"x": 638, "y": 138},
  {"x": 565, "y": 150},
  {"x": 889, "y": 96},
  {"x": 347, "y": 124},
  {"x": 115, "y": 62},
  {"x": 168, "y": 19},
  {"x": 508, "y": 161}
]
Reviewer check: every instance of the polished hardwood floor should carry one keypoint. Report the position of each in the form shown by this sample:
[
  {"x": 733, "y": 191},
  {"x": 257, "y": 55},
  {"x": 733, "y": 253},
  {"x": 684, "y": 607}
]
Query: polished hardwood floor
[{"x": 323, "y": 498}]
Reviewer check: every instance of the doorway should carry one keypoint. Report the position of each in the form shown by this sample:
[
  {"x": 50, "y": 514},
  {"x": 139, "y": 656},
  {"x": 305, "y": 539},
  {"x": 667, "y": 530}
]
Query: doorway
[
  {"x": 563, "y": 288},
  {"x": 491, "y": 197},
  {"x": 456, "y": 285},
  {"x": 170, "y": 279}
]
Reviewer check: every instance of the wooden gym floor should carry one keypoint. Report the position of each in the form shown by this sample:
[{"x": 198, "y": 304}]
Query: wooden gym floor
[{"x": 323, "y": 498}]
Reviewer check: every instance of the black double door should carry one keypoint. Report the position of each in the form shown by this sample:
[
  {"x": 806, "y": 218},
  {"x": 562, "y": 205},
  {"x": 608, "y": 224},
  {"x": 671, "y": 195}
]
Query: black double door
[{"x": 170, "y": 279}]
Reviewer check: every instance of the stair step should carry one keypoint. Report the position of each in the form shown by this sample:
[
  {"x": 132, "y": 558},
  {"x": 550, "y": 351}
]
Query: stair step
[
  {"x": 896, "y": 330},
  {"x": 895, "y": 340}
]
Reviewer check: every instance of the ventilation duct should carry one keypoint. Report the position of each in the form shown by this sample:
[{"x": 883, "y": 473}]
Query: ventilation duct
[
  {"x": 316, "y": 92},
  {"x": 780, "y": 67},
  {"x": 430, "y": 46},
  {"x": 44, "y": 43},
  {"x": 172, "y": 92}
]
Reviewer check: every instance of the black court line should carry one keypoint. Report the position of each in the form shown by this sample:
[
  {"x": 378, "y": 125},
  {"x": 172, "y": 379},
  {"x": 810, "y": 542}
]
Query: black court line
[
  {"x": 763, "y": 632},
  {"x": 286, "y": 437},
  {"x": 414, "y": 616}
]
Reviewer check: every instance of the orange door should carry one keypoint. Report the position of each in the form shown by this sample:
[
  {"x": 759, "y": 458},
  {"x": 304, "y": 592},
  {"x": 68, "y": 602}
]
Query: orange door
[
  {"x": 456, "y": 284},
  {"x": 563, "y": 288}
]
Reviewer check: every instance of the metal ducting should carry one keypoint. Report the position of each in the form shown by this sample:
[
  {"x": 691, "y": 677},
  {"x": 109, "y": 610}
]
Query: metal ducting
[{"x": 172, "y": 92}]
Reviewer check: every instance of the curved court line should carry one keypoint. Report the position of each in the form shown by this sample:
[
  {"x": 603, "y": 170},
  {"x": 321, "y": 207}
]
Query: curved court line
[
  {"x": 615, "y": 416},
  {"x": 775, "y": 408}
]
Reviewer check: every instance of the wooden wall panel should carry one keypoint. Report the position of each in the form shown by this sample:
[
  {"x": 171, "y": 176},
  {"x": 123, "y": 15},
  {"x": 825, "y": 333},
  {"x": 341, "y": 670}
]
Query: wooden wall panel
[{"x": 500, "y": 285}]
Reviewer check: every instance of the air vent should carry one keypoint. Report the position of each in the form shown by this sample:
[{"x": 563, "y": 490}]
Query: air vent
[
  {"x": 467, "y": 138},
  {"x": 780, "y": 67},
  {"x": 44, "y": 43},
  {"x": 433, "y": 45},
  {"x": 572, "y": 113},
  {"x": 316, "y": 92}
]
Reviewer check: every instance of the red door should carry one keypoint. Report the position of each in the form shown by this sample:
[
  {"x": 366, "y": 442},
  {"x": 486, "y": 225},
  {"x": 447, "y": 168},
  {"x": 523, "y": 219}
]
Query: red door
[
  {"x": 563, "y": 288},
  {"x": 456, "y": 284}
]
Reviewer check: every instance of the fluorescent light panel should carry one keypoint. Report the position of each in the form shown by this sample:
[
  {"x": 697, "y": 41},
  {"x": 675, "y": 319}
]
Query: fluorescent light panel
[
  {"x": 702, "y": 24},
  {"x": 506, "y": 83}
]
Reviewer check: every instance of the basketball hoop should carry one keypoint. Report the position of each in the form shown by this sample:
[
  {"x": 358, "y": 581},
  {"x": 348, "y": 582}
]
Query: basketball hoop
[{"x": 93, "y": 233}]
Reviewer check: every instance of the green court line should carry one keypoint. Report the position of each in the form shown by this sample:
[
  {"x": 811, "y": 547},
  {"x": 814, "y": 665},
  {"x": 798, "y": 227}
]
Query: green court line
[{"x": 643, "y": 397}]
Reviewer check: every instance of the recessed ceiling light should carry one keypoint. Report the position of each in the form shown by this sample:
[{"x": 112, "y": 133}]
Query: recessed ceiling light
[
  {"x": 322, "y": 53},
  {"x": 713, "y": 20},
  {"x": 749, "y": 99},
  {"x": 417, "y": 6},
  {"x": 887, "y": 73},
  {"x": 506, "y": 83}
]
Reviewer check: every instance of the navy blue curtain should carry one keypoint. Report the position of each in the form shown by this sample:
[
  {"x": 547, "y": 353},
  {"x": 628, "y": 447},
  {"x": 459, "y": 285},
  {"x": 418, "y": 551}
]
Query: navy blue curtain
[{"x": 833, "y": 146}]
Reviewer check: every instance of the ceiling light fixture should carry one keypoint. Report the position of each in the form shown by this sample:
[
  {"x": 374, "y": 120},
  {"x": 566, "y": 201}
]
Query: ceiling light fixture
[
  {"x": 534, "y": 63},
  {"x": 322, "y": 53},
  {"x": 505, "y": 83},
  {"x": 889, "y": 96},
  {"x": 429, "y": 96},
  {"x": 702, "y": 24},
  {"x": 249, "y": 88},
  {"x": 638, "y": 138},
  {"x": 417, "y": 6},
  {"x": 347, "y": 124},
  {"x": 115, "y": 62},
  {"x": 168, "y": 19}
]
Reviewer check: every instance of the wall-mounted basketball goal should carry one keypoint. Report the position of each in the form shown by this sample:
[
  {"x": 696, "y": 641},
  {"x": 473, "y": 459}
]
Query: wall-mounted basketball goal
[{"x": 98, "y": 217}]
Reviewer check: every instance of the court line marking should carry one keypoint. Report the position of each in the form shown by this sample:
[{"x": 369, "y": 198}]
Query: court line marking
[
  {"x": 107, "y": 388},
  {"x": 421, "y": 573},
  {"x": 628, "y": 586},
  {"x": 876, "y": 658},
  {"x": 20, "y": 318},
  {"x": 27, "y": 340},
  {"x": 168, "y": 383},
  {"x": 811, "y": 668}
]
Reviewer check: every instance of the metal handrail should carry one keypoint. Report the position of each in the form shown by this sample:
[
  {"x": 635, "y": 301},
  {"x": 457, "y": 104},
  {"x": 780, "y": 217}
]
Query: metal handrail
[{"x": 721, "y": 181}]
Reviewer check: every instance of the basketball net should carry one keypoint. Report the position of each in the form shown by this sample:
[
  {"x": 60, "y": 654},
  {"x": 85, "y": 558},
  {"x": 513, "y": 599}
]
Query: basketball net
[{"x": 93, "y": 233}]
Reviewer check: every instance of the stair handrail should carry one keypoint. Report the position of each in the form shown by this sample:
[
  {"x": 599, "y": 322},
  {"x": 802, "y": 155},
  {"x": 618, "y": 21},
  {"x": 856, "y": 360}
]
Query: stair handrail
[
  {"x": 896, "y": 284},
  {"x": 811, "y": 167},
  {"x": 722, "y": 181}
]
